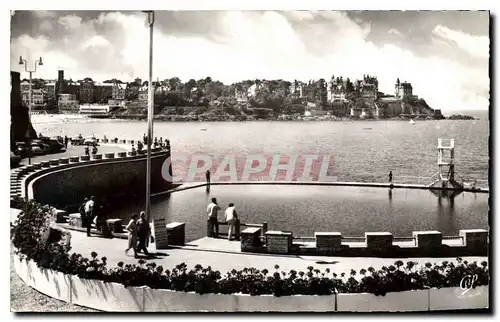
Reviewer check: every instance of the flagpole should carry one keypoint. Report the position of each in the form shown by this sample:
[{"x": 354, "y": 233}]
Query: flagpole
[{"x": 151, "y": 20}]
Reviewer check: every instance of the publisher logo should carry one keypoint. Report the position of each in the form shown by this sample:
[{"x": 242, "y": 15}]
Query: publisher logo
[
  {"x": 467, "y": 283},
  {"x": 251, "y": 167}
]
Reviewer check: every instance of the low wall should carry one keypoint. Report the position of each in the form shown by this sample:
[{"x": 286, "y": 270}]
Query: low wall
[
  {"x": 68, "y": 183},
  {"x": 471, "y": 242},
  {"x": 115, "y": 297}
]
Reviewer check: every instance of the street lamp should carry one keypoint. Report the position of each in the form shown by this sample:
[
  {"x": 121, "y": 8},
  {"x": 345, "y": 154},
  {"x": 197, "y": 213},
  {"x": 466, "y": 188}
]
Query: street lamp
[
  {"x": 38, "y": 62},
  {"x": 151, "y": 21}
]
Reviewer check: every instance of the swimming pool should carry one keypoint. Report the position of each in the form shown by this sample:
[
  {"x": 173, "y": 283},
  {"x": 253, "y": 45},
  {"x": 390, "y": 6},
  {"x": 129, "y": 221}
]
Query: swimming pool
[{"x": 306, "y": 209}]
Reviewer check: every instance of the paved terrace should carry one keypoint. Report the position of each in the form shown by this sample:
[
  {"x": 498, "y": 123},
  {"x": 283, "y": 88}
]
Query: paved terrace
[{"x": 224, "y": 255}]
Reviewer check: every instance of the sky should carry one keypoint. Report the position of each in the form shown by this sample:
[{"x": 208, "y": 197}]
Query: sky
[{"x": 445, "y": 55}]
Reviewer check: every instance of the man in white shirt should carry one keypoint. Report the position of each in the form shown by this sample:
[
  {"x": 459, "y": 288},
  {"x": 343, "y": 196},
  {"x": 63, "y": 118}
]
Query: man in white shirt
[
  {"x": 89, "y": 213},
  {"x": 231, "y": 217},
  {"x": 212, "y": 211}
]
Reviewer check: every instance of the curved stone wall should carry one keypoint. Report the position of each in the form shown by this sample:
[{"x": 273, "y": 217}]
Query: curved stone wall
[
  {"x": 115, "y": 297},
  {"x": 68, "y": 180}
]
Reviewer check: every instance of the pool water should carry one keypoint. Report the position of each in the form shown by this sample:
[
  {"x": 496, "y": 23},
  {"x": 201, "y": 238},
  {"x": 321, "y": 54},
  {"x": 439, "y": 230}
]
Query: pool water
[{"x": 306, "y": 209}]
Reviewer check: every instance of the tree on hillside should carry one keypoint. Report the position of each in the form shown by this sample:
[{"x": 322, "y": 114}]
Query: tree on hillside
[
  {"x": 174, "y": 82},
  {"x": 190, "y": 84}
]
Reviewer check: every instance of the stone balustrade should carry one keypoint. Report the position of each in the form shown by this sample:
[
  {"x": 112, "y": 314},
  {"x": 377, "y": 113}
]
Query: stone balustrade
[
  {"x": 26, "y": 174},
  {"x": 425, "y": 243}
]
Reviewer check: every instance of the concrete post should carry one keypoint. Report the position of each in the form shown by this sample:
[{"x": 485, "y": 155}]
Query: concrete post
[
  {"x": 428, "y": 239},
  {"x": 237, "y": 229},
  {"x": 378, "y": 240},
  {"x": 264, "y": 227},
  {"x": 476, "y": 239}
]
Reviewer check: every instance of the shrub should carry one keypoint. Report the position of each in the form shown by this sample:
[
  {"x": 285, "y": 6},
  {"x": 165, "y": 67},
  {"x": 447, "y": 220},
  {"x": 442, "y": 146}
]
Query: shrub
[{"x": 28, "y": 237}]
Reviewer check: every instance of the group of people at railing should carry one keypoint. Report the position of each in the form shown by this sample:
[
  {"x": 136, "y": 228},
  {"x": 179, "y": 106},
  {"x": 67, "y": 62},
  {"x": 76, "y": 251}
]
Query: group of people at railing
[
  {"x": 230, "y": 217},
  {"x": 157, "y": 143}
]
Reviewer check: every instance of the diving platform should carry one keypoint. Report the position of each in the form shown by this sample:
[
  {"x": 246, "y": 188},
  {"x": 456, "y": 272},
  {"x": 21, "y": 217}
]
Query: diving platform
[{"x": 446, "y": 167}]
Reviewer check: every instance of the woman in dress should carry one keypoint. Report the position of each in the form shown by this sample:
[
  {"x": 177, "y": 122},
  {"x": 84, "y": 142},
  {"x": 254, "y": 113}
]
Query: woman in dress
[{"x": 132, "y": 234}]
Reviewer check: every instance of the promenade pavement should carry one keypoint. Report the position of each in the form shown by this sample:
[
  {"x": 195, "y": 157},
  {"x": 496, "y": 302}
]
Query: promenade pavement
[
  {"x": 73, "y": 151},
  {"x": 224, "y": 255}
]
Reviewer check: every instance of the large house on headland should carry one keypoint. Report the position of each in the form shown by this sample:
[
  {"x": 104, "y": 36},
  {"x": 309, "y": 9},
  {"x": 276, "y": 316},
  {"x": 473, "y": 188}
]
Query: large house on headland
[
  {"x": 403, "y": 90},
  {"x": 119, "y": 91}
]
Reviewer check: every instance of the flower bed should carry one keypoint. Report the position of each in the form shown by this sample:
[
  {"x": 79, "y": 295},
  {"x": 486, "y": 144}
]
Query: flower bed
[{"x": 28, "y": 233}]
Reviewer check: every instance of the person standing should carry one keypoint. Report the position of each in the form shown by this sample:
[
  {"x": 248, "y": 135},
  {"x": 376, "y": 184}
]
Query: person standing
[
  {"x": 390, "y": 177},
  {"x": 132, "y": 234},
  {"x": 207, "y": 176},
  {"x": 66, "y": 140},
  {"x": 231, "y": 217},
  {"x": 83, "y": 215},
  {"x": 89, "y": 213},
  {"x": 143, "y": 232},
  {"x": 87, "y": 151},
  {"x": 212, "y": 211}
]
